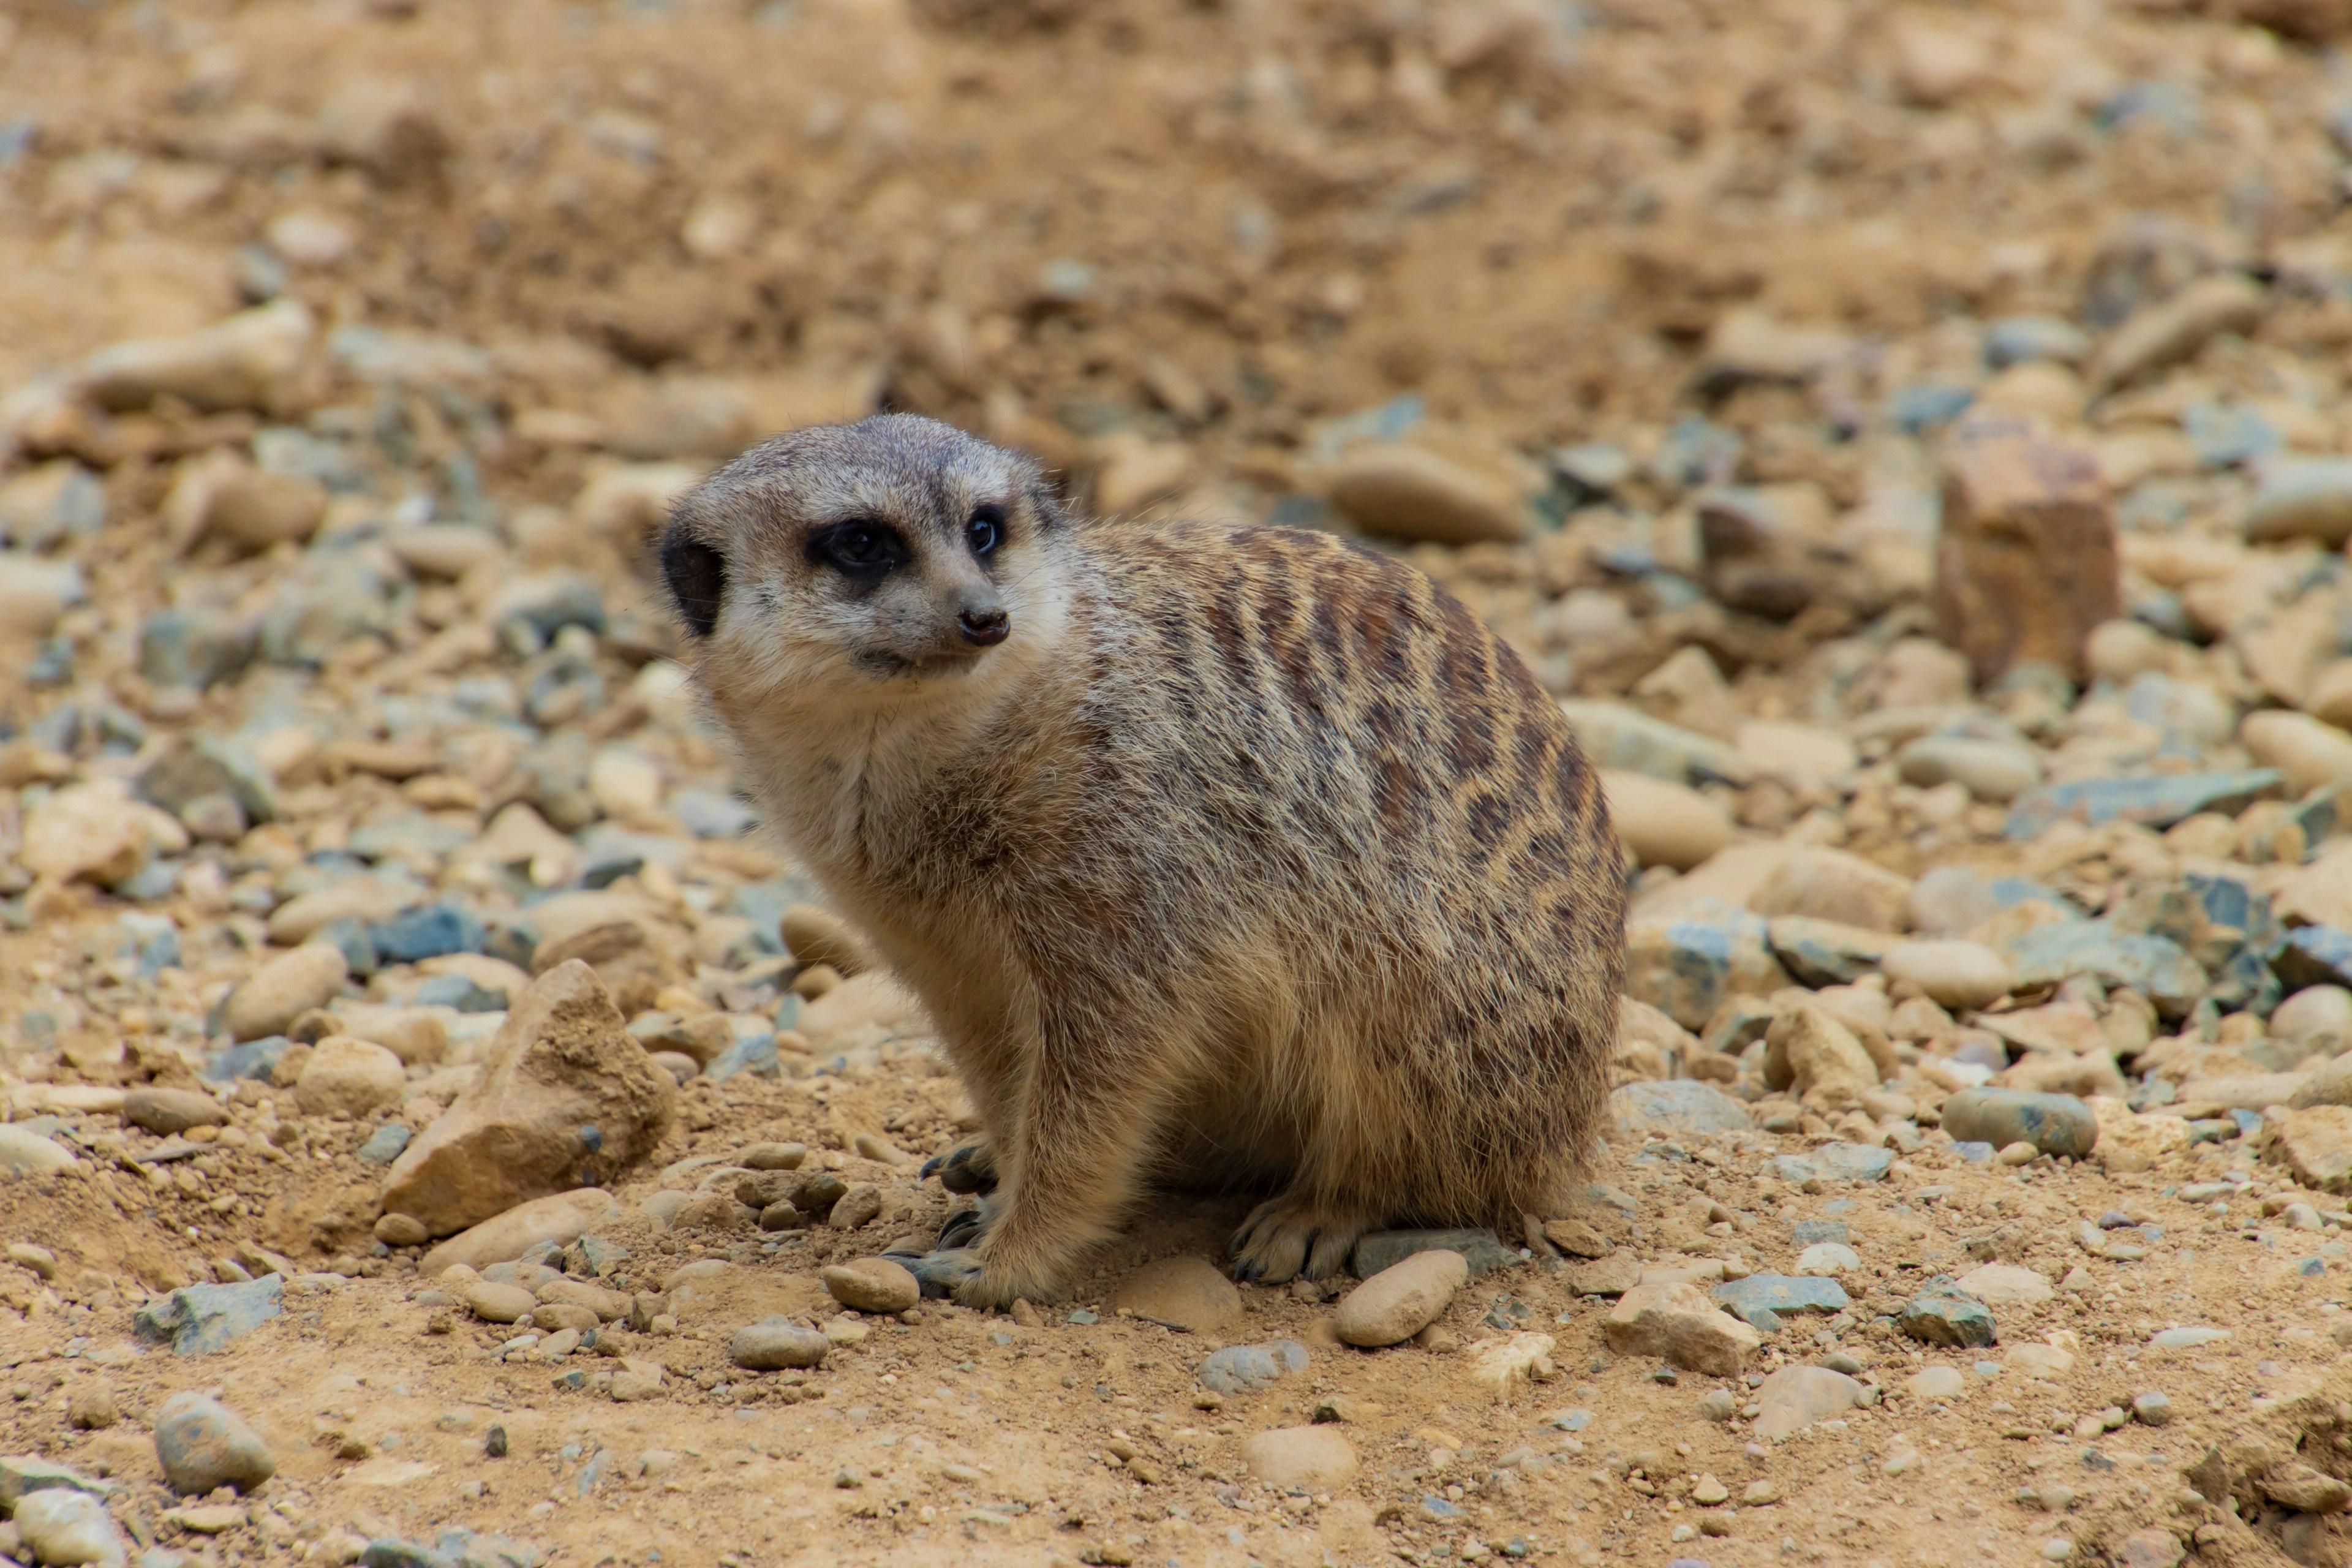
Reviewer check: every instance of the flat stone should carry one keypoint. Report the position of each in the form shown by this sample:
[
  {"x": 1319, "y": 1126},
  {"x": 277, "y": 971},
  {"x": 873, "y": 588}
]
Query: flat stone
[
  {"x": 2039, "y": 1360},
  {"x": 1834, "y": 1162},
  {"x": 2053, "y": 1123},
  {"x": 283, "y": 989},
  {"x": 429, "y": 930},
  {"x": 2185, "y": 1339},
  {"x": 1402, "y": 1299},
  {"x": 1990, "y": 770},
  {"x": 1497, "y": 1365},
  {"x": 2157, "y": 801},
  {"x": 2176, "y": 327},
  {"x": 1952, "y": 973},
  {"x": 1794, "y": 1397},
  {"x": 1311, "y": 1458},
  {"x": 1825, "y": 952},
  {"x": 558, "y": 1219},
  {"x": 2302, "y": 498},
  {"x": 1409, "y": 492},
  {"x": 1676, "y": 1105},
  {"x": 1240, "y": 1369},
  {"x": 1835, "y": 886},
  {"x": 384, "y": 1146},
  {"x": 1827, "y": 1257},
  {"x": 198, "y": 1319},
  {"x": 203, "y": 1444},
  {"x": 26, "y": 1153},
  {"x": 880, "y": 1286},
  {"x": 1778, "y": 1294},
  {"x": 349, "y": 1080},
  {"x": 1619, "y": 739},
  {"x": 1943, "y": 1314},
  {"x": 1999, "y": 1285},
  {"x": 770, "y": 1346},
  {"x": 1185, "y": 1292},
  {"x": 496, "y": 1303},
  {"x": 1935, "y": 1383},
  {"x": 164, "y": 1111},
  {"x": 1384, "y": 1248},
  {"x": 1611, "y": 1276},
  {"x": 1677, "y": 1322},
  {"x": 2048, "y": 955},
  {"x": 1664, "y": 822},
  {"x": 26, "y": 1473},
  {"x": 1688, "y": 967}
]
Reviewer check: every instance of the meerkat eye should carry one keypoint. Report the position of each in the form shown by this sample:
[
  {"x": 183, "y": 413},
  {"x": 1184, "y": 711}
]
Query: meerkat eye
[
  {"x": 698, "y": 580},
  {"x": 986, "y": 529},
  {"x": 860, "y": 547}
]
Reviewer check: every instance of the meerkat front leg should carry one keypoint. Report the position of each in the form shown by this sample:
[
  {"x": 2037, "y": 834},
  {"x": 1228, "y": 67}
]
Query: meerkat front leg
[{"x": 1070, "y": 1161}]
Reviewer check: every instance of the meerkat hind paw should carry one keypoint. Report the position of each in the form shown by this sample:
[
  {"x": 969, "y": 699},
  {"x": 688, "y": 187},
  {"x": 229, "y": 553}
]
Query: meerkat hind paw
[{"x": 1286, "y": 1238}]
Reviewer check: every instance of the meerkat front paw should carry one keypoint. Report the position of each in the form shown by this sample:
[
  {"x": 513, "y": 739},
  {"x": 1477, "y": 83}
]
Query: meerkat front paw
[
  {"x": 1289, "y": 1237},
  {"x": 970, "y": 1167}
]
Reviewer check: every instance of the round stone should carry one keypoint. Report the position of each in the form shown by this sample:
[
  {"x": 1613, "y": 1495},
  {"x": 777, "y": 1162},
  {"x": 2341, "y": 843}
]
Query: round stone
[
  {"x": 496, "y": 1303},
  {"x": 1954, "y": 974},
  {"x": 61, "y": 1526},
  {"x": 285, "y": 988},
  {"x": 2046, "y": 1123},
  {"x": 1662, "y": 823},
  {"x": 348, "y": 1078},
  {"x": 203, "y": 1444},
  {"x": 872, "y": 1285},
  {"x": 402, "y": 1230},
  {"x": 1400, "y": 1301},
  {"x": 771, "y": 1346},
  {"x": 164, "y": 1111},
  {"x": 1989, "y": 769}
]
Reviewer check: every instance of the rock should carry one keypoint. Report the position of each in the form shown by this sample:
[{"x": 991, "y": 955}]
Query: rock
[
  {"x": 430, "y": 931},
  {"x": 1385, "y": 1249},
  {"x": 1408, "y": 492},
  {"x": 1833, "y": 1162},
  {"x": 1688, "y": 968},
  {"x": 1761, "y": 1301},
  {"x": 92, "y": 1408},
  {"x": 194, "y": 648},
  {"x": 402, "y": 1230},
  {"x": 1399, "y": 1302},
  {"x": 2129, "y": 1144},
  {"x": 2318, "y": 1143},
  {"x": 880, "y": 1286},
  {"x": 565, "y": 1098},
  {"x": 2302, "y": 498},
  {"x": 283, "y": 989},
  {"x": 1762, "y": 549},
  {"x": 1935, "y": 1383},
  {"x": 256, "y": 508},
  {"x": 2119, "y": 960},
  {"x": 1794, "y": 1397},
  {"x": 773, "y": 1345},
  {"x": 2176, "y": 327},
  {"x": 1828, "y": 1258},
  {"x": 2039, "y": 1360},
  {"x": 1832, "y": 885},
  {"x": 2002, "y": 1285},
  {"x": 87, "y": 832},
  {"x": 496, "y": 1303},
  {"x": 1802, "y": 757},
  {"x": 773, "y": 1156},
  {"x": 201, "y": 1318},
  {"x": 560, "y": 1217},
  {"x": 1989, "y": 769},
  {"x": 362, "y": 899},
  {"x": 164, "y": 1111},
  {"x": 2053, "y": 1123},
  {"x": 1309, "y": 1458},
  {"x": 1954, "y": 974},
  {"x": 1515, "y": 1358},
  {"x": 2158, "y": 801},
  {"x": 2309, "y": 754},
  {"x": 2304, "y": 1490},
  {"x": 2317, "y": 1020},
  {"x": 1665, "y": 823},
  {"x": 626, "y": 956},
  {"x": 1186, "y": 1292},
  {"x": 1610, "y": 1275},
  {"x": 2310, "y": 957},
  {"x": 62, "y": 1526},
  {"x": 1677, "y": 1322},
  {"x": 2027, "y": 563},
  {"x": 1576, "y": 1238},
  {"x": 1808, "y": 1048},
  {"x": 24, "y": 1152},
  {"x": 1241, "y": 1369},
  {"x": 1688, "y": 690},
  {"x": 1618, "y": 739},
  {"x": 1825, "y": 952},
  {"x": 1943, "y": 1314},
  {"x": 2151, "y": 1409},
  {"x": 233, "y": 364},
  {"x": 191, "y": 770},
  {"x": 203, "y": 1445},
  {"x": 349, "y": 1078},
  {"x": 1676, "y": 1105}
]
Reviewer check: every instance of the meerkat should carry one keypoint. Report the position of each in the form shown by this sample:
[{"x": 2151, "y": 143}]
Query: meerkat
[{"x": 1220, "y": 853}]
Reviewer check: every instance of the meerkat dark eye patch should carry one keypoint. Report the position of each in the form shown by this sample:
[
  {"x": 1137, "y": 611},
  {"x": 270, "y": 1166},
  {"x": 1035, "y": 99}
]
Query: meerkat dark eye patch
[
  {"x": 864, "y": 548},
  {"x": 698, "y": 580}
]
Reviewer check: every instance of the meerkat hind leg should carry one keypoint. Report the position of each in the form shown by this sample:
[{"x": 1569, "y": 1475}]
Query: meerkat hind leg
[{"x": 1296, "y": 1234}]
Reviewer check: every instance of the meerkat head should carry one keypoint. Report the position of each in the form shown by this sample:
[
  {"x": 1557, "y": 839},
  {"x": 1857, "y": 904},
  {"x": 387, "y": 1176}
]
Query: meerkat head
[{"x": 887, "y": 557}]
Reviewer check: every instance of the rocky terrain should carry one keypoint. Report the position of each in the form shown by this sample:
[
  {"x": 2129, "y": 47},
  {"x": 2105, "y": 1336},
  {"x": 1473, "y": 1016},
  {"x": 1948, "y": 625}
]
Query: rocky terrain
[{"x": 1911, "y": 440}]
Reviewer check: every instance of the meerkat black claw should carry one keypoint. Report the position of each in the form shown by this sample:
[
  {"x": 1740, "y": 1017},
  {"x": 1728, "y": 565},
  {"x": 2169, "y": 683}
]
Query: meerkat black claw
[{"x": 962, "y": 1228}]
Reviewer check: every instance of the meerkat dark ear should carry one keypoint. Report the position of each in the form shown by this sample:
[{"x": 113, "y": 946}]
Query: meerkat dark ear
[
  {"x": 1052, "y": 514},
  {"x": 697, "y": 576}
]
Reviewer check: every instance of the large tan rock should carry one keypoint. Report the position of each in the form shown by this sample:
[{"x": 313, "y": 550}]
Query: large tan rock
[
  {"x": 233, "y": 364},
  {"x": 2026, "y": 565},
  {"x": 282, "y": 990},
  {"x": 1410, "y": 492},
  {"x": 1807, "y": 1049},
  {"x": 627, "y": 958},
  {"x": 1665, "y": 823},
  {"x": 560, "y": 1217},
  {"x": 2317, "y": 1143},
  {"x": 1677, "y": 1322},
  {"x": 566, "y": 1098},
  {"x": 1832, "y": 885}
]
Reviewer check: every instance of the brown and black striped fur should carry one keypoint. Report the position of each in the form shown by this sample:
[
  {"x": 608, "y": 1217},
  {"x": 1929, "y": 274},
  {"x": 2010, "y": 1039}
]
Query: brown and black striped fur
[{"x": 1247, "y": 857}]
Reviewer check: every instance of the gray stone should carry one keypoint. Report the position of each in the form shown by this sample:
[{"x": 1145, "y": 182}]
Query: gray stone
[
  {"x": 164, "y": 1111},
  {"x": 2152, "y": 965},
  {"x": 1239, "y": 1369},
  {"x": 194, "y": 648},
  {"x": 1834, "y": 1162},
  {"x": 1806, "y": 1232},
  {"x": 383, "y": 1145},
  {"x": 1384, "y": 1248},
  {"x": 1826, "y": 953},
  {"x": 1780, "y": 1293},
  {"x": 1677, "y": 1105},
  {"x": 2302, "y": 497},
  {"x": 200, "y": 1318},
  {"x": 1626, "y": 740},
  {"x": 2053, "y": 1123},
  {"x": 2158, "y": 801},
  {"x": 203, "y": 1444},
  {"x": 1943, "y": 1314},
  {"x": 2314, "y": 955},
  {"x": 777, "y": 1344},
  {"x": 189, "y": 769},
  {"x": 1687, "y": 968},
  {"x": 1794, "y": 1397},
  {"x": 28, "y": 1473}
]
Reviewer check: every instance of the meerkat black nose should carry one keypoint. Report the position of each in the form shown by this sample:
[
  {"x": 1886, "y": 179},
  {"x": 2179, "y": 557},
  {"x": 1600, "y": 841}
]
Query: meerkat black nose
[{"x": 985, "y": 626}]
